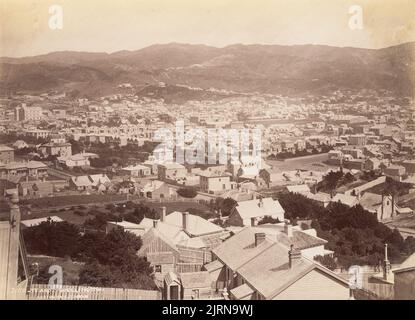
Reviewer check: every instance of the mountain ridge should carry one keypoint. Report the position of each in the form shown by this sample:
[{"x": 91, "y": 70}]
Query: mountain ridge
[{"x": 238, "y": 67}]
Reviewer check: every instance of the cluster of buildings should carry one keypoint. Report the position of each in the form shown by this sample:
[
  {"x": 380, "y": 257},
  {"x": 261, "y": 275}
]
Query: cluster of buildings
[{"x": 248, "y": 257}]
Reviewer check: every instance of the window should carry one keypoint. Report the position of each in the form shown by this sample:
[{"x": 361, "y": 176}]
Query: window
[{"x": 157, "y": 268}]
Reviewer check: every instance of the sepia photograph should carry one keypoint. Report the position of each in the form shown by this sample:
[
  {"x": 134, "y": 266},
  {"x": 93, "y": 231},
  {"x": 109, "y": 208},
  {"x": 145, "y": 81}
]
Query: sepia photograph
[{"x": 226, "y": 151}]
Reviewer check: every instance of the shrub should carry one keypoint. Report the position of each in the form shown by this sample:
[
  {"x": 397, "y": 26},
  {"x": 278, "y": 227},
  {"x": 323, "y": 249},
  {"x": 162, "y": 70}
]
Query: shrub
[{"x": 187, "y": 192}]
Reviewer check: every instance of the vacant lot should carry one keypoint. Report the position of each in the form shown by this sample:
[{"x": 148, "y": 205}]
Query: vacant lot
[
  {"x": 313, "y": 162},
  {"x": 63, "y": 201}
]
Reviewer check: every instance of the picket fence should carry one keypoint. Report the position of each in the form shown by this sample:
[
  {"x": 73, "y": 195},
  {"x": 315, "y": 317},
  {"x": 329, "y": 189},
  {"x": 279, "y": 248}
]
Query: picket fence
[{"x": 46, "y": 292}]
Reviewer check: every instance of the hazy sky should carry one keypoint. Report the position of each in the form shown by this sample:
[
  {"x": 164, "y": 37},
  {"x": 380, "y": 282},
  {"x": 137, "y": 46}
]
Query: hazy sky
[{"x": 104, "y": 25}]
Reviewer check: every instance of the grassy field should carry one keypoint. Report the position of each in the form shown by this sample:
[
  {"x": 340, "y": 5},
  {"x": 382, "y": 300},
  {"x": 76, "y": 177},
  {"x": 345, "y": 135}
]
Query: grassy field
[{"x": 62, "y": 201}]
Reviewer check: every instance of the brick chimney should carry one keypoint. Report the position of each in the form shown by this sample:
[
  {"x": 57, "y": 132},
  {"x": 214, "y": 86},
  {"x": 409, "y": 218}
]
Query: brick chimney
[
  {"x": 259, "y": 238},
  {"x": 185, "y": 216},
  {"x": 294, "y": 256},
  {"x": 253, "y": 222},
  {"x": 155, "y": 224},
  {"x": 288, "y": 229},
  {"x": 163, "y": 214}
]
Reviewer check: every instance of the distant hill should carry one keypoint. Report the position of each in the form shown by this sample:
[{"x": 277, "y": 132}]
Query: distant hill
[{"x": 243, "y": 68}]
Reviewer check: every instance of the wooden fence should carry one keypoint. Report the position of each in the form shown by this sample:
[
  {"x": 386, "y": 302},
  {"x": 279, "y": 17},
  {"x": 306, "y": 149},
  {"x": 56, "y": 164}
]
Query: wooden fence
[
  {"x": 375, "y": 291},
  {"x": 46, "y": 292}
]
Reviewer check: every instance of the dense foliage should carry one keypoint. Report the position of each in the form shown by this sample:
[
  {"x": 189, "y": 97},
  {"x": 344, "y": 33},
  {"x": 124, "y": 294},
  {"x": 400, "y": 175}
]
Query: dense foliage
[
  {"x": 327, "y": 261},
  {"x": 333, "y": 180},
  {"x": 110, "y": 259},
  {"x": 224, "y": 205},
  {"x": 354, "y": 234}
]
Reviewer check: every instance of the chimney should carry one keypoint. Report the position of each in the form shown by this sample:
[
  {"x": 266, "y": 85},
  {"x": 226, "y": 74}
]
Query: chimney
[
  {"x": 185, "y": 216},
  {"x": 288, "y": 229},
  {"x": 293, "y": 256},
  {"x": 259, "y": 238},
  {"x": 253, "y": 223},
  {"x": 386, "y": 264},
  {"x": 260, "y": 203},
  {"x": 155, "y": 224},
  {"x": 163, "y": 214}
]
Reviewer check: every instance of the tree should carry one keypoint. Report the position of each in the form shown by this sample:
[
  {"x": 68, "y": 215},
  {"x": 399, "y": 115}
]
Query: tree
[
  {"x": 58, "y": 239},
  {"x": 268, "y": 219},
  {"x": 327, "y": 260},
  {"x": 187, "y": 192}
]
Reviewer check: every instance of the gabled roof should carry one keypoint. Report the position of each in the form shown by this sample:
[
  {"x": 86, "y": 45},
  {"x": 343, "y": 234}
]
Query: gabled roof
[
  {"x": 214, "y": 265},
  {"x": 242, "y": 291},
  {"x": 240, "y": 248},
  {"x": 265, "y": 267},
  {"x": 148, "y": 238},
  {"x": 196, "y": 226},
  {"x": 345, "y": 199},
  {"x": 99, "y": 179},
  {"x": 171, "y": 278},
  {"x": 125, "y": 224},
  {"x": 252, "y": 208},
  {"x": 81, "y": 181},
  {"x": 301, "y": 240},
  {"x": 407, "y": 265}
]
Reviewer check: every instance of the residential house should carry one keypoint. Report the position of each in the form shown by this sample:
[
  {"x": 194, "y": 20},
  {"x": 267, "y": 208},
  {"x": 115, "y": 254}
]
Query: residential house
[
  {"x": 76, "y": 160},
  {"x": 250, "y": 212},
  {"x": 98, "y": 182},
  {"x": 156, "y": 189},
  {"x": 257, "y": 267},
  {"x": 136, "y": 171},
  {"x": 171, "y": 171},
  {"x": 60, "y": 149},
  {"x": 214, "y": 182},
  {"x": 15, "y": 170}
]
